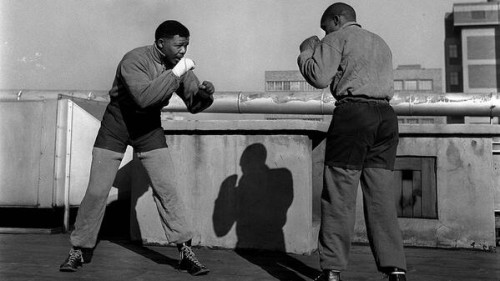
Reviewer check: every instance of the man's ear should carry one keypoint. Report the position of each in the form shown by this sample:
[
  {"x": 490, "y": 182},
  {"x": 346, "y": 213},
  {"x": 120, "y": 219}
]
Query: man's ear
[
  {"x": 336, "y": 19},
  {"x": 159, "y": 43}
]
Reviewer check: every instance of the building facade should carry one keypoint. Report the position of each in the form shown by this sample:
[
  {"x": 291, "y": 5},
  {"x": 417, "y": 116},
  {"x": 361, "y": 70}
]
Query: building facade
[
  {"x": 287, "y": 81},
  {"x": 472, "y": 49},
  {"x": 413, "y": 80}
]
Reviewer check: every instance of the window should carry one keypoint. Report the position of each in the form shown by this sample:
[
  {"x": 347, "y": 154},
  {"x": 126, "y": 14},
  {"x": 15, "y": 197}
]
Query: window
[
  {"x": 270, "y": 85},
  {"x": 425, "y": 85},
  {"x": 427, "y": 121},
  {"x": 295, "y": 86},
  {"x": 275, "y": 86},
  {"x": 454, "y": 78},
  {"x": 415, "y": 187},
  {"x": 398, "y": 85},
  {"x": 412, "y": 121},
  {"x": 286, "y": 85},
  {"x": 410, "y": 85},
  {"x": 478, "y": 14},
  {"x": 453, "y": 51}
]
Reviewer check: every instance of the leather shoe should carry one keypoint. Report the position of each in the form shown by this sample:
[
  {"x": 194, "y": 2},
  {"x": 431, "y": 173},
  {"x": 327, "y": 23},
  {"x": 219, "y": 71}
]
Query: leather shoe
[
  {"x": 328, "y": 275},
  {"x": 397, "y": 277},
  {"x": 396, "y": 274}
]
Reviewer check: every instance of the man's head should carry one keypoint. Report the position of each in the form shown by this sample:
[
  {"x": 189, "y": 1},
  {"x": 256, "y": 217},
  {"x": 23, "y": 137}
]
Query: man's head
[
  {"x": 172, "y": 39},
  {"x": 336, "y": 16}
]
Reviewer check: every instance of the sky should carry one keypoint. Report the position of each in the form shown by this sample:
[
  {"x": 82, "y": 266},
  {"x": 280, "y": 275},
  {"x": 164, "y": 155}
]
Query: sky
[{"x": 76, "y": 45}]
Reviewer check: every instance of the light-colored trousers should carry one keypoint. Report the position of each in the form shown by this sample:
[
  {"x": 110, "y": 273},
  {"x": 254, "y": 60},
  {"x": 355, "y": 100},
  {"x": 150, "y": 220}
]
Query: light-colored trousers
[
  {"x": 338, "y": 207},
  {"x": 160, "y": 168}
]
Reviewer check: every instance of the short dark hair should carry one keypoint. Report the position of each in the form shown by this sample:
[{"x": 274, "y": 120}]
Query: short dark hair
[
  {"x": 170, "y": 28},
  {"x": 339, "y": 9}
]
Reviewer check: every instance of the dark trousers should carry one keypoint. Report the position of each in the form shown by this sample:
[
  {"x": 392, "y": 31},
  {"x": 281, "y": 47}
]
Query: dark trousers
[{"x": 361, "y": 148}]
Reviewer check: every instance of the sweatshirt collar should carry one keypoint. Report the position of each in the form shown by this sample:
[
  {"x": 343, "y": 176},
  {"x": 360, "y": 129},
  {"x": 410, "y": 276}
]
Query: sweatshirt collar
[
  {"x": 158, "y": 55},
  {"x": 350, "y": 23}
]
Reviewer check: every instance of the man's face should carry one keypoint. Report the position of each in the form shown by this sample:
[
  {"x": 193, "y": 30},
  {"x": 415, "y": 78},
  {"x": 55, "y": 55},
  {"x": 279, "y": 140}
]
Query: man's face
[{"x": 174, "y": 48}]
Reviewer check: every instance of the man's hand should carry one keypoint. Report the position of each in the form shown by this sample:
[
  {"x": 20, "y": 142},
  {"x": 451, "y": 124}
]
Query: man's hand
[
  {"x": 183, "y": 66},
  {"x": 309, "y": 43},
  {"x": 207, "y": 87}
]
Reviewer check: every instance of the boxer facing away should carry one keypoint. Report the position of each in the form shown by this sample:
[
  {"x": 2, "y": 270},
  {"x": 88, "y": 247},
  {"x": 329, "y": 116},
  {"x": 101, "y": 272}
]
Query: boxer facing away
[{"x": 361, "y": 142}]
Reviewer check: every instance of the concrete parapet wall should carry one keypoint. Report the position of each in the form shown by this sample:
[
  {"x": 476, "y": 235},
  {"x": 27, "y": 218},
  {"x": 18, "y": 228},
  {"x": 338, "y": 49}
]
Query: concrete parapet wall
[
  {"x": 212, "y": 174},
  {"x": 247, "y": 184},
  {"x": 466, "y": 186}
]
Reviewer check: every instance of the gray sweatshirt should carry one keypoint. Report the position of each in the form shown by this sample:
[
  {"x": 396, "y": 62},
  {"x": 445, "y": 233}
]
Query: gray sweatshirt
[{"x": 352, "y": 61}]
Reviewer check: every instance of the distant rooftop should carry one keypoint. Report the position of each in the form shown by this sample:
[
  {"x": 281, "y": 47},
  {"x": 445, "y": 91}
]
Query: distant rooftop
[
  {"x": 414, "y": 67},
  {"x": 409, "y": 66},
  {"x": 476, "y": 13},
  {"x": 283, "y": 75}
]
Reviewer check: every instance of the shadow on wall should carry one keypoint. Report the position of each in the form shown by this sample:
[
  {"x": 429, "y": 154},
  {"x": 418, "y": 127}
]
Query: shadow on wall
[{"x": 258, "y": 203}]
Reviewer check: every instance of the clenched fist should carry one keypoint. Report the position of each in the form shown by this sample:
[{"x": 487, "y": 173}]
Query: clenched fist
[
  {"x": 309, "y": 43},
  {"x": 183, "y": 66},
  {"x": 207, "y": 86}
]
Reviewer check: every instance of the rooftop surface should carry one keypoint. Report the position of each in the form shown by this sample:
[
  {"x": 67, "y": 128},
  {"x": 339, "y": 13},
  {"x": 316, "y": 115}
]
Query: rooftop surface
[{"x": 38, "y": 256}]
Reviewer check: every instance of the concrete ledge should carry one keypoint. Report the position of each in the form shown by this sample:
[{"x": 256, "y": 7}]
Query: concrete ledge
[
  {"x": 300, "y": 125},
  {"x": 449, "y": 129},
  {"x": 245, "y": 125}
]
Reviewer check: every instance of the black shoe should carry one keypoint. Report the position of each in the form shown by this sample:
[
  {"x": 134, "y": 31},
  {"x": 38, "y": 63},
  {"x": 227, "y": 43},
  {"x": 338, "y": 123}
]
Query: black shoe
[
  {"x": 73, "y": 261},
  {"x": 188, "y": 261},
  {"x": 396, "y": 274},
  {"x": 397, "y": 277},
  {"x": 87, "y": 254},
  {"x": 328, "y": 275}
]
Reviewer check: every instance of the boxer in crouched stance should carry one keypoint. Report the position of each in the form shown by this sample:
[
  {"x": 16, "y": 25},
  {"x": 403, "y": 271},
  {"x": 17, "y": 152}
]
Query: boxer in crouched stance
[{"x": 146, "y": 79}]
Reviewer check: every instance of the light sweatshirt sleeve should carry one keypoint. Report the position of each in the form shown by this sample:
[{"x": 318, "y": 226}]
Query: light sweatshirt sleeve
[
  {"x": 196, "y": 99},
  {"x": 144, "y": 90},
  {"x": 319, "y": 65}
]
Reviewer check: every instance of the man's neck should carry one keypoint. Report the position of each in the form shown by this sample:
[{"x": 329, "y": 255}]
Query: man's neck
[{"x": 349, "y": 23}]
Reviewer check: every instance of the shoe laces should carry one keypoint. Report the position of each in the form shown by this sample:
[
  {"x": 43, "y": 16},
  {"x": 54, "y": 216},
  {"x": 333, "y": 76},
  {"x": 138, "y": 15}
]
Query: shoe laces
[
  {"x": 188, "y": 254},
  {"x": 74, "y": 256}
]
